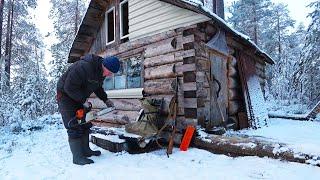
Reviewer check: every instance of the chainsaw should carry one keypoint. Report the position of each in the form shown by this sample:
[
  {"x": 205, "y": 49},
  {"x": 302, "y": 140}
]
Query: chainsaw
[{"x": 84, "y": 116}]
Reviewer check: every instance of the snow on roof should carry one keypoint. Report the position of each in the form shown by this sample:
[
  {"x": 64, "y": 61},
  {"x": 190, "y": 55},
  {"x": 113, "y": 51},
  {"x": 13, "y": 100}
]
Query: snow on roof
[{"x": 205, "y": 6}]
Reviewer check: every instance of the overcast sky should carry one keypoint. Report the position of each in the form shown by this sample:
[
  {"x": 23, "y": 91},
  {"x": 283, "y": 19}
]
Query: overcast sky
[{"x": 297, "y": 9}]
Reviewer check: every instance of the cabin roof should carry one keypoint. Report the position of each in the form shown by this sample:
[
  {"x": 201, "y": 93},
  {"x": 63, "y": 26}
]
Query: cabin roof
[{"x": 94, "y": 17}]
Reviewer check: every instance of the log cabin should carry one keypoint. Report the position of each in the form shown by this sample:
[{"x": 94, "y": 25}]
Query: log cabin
[{"x": 220, "y": 72}]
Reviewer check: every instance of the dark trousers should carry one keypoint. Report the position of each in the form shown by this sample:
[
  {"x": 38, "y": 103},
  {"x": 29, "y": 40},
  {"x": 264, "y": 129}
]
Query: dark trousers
[{"x": 68, "y": 108}]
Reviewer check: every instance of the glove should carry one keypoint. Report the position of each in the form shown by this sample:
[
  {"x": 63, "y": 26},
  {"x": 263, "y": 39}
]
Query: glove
[
  {"x": 87, "y": 106},
  {"x": 109, "y": 103}
]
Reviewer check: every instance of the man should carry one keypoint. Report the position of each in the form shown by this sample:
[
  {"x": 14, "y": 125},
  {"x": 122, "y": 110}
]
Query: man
[{"x": 83, "y": 78}]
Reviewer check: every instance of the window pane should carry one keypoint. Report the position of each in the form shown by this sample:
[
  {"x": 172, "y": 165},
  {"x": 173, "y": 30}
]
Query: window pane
[
  {"x": 120, "y": 82},
  {"x": 108, "y": 83},
  {"x": 124, "y": 19},
  {"x": 110, "y": 19},
  {"x": 120, "y": 77},
  {"x": 134, "y": 72}
]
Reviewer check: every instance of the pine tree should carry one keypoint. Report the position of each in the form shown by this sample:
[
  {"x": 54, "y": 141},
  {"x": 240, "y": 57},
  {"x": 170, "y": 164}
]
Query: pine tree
[
  {"x": 67, "y": 17},
  {"x": 248, "y": 15},
  {"x": 309, "y": 66}
]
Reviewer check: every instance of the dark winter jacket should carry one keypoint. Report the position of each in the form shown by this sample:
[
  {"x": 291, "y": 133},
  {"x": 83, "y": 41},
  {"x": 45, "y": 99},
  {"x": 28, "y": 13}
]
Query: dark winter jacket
[{"x": 82, "y": 79}]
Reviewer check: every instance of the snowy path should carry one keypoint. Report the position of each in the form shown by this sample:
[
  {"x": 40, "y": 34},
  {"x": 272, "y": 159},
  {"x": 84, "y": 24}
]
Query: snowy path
[{"x": 45, "y": 155}]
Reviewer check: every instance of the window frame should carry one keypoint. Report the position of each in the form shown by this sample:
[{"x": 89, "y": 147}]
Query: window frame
[
  {"x": 121, "y": 24},
  {"x": 124, "y": 61},
  {"x": 114, "y": 25}
]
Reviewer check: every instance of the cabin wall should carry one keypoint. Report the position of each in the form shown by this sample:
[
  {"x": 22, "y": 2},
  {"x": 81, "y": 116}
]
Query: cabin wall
[
  {"x": 166, "y": 55},
  {"x": 151, "y": 17},
  {"x": 181, "y": 53}
]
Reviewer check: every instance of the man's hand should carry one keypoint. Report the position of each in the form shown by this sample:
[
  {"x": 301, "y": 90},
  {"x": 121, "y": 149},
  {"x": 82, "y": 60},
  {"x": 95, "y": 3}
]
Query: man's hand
[
  {"x": 109, "y": 103},
  {"x": 87, "y": 106}
]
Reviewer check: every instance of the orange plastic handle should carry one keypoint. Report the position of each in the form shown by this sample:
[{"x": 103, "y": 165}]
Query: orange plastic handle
[{"x": 187, "y": 138}]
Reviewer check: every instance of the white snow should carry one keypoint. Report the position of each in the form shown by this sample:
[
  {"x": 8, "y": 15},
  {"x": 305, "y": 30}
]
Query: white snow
[
  {"x": 247, "y": 145},
  {"x": 45, "y": 154},
  {"x": 301, "y": 136},
  {"x": 112, "y": 138},
  {"x": 257, "y": 101}
]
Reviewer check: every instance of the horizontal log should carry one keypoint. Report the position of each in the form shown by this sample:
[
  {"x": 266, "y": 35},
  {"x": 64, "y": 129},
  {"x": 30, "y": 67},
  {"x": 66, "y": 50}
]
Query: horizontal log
[
  {"x": 106, "y": 124},
  {"x": 300, "y": 117},
  {"x": 232, "y": 62},
  {"x": 119, "y": 117},
  {"x": 181, "y": 68},
  {"x": 159, "y": 72},
  {"x": 169, "y": 58},
  {"x": 160, "y": 86},
  {"x": 164, "y": 47},
  {"x": 189, "y": 86},
  {"x": 232, "y": 72},
  {"x": 203, "y": 64},
  {"x": 120, "y": 104},
  {"x": 251, "y": 146},
  {"x": 160, "y": 60},
  {"x": 190, "y": 102}
]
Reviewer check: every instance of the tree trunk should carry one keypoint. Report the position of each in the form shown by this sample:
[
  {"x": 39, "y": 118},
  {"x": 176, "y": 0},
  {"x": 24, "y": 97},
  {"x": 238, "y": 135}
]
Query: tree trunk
[
  {"x": 76, "y": 18},
  {"x": 220, "y": 8},
  {"x": 1, "y": 22},
  {"x": 8, "y": 44}
]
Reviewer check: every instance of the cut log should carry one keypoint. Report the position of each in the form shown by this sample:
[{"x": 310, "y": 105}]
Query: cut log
[
  {"x": 119, "y": 117},
  {"x": 251, "y": 146},
  {"x": 232, "y": 72}
]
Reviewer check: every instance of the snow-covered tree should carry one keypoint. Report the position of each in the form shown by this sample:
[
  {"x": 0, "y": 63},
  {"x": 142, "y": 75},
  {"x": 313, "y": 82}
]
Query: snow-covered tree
[
  {"x": 309, "y": 65},
  {"x": 248, "y": 16}
]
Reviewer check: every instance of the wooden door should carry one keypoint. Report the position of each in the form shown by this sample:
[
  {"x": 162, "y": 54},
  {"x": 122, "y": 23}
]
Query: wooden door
[{"x": 218, "y": 106}]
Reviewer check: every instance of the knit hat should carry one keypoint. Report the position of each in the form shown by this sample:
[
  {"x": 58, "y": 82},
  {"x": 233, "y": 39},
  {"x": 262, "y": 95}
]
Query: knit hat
[{"x": 111, "y": 63}]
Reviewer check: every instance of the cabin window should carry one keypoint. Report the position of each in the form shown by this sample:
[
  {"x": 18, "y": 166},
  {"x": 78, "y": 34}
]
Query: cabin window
[
  {"x": 129, "y": 75},
  {"x": 110, "y": 25},
  {"x": 124, "y": 19}
]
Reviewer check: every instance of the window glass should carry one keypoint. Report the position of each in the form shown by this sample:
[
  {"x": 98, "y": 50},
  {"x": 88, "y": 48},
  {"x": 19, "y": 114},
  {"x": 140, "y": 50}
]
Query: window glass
[
  {"x": 120, "y": 77},
  {"x": 129, "y": 75},
  {"x": 110, "y": 26},
  {"x": 124, "y": 18},
  {"x": 134, "y": 72},
  {"x": 108, "y": 83}
]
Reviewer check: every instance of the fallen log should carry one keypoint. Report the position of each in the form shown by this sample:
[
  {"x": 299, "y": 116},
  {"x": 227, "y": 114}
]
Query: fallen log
[
  {"x": 252, "y": 146},
  {"x": 299, "y": 117}
]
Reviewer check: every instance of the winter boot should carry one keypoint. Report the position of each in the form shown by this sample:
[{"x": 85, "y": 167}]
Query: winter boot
[
  {"x": 77, "y": 152},
  {"x": 86, "y": 148}
]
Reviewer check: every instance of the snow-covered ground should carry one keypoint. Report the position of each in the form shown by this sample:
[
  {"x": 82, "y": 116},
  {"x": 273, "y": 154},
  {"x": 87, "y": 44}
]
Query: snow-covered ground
[
  {"x": 45, "y": 154},
  {"x": 301, "y": 136}
]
